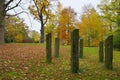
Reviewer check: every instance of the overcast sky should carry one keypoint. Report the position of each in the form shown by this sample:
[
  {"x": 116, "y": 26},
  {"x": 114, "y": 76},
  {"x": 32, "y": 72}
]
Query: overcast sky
[{"x": 77, "y": 5}]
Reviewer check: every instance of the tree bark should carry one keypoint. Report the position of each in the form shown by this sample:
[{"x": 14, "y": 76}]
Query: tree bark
[
  {"x": 89, "y": 42},
  {"x": 2, "y": 22},
  {"x": 2, "y": 31},
  {"x": 42, "y": 34},
  {"x": 101, "y": 53},
  {"x": 109, "y": 52},
  {"x": 42, "y": 30},
  {"x": 81, "y": 48},
  {"x": 74, "y": 51},
  {"x": 48, "y": 48},
  {"x": 57, "y": 46}
]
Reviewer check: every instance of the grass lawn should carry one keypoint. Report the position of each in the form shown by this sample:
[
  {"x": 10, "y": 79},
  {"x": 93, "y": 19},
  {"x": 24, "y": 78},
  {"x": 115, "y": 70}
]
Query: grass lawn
[{"x": 27, "y": 62}]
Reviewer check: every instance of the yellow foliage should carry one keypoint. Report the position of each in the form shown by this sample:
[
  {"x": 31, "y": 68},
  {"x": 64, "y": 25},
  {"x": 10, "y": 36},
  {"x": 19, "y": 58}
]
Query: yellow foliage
[
  {"x": 19, "y": 38},
  {"x": 62, "y": 34},
  {"x": 66, "y": 23},
  {"x": 37, "y": 39},
  {"x": 91, "y": 27},
  {"x": 42, "y": 6},
  {"x": 16, "y": 29}
]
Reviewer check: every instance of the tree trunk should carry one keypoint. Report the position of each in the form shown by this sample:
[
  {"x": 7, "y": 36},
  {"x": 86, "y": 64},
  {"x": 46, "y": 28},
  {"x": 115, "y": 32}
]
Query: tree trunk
[
  {"x": 81, "y": 48},
  {"x": 48, "y": 48},
  {"x": 89, "y": 42},
  {"x": 101, "y": 53},
  {"x": 42, "y": 37},
  {"x": 109, "y": 52},
  {"x": 42, "y": 28},
  {"x": 2, "y": 22},
  {"x": 57, "y": 46},
  {"x": 118, "y": 19},
  {"x": 74, "y": 51},
  {"x": 2, "y": 30}
]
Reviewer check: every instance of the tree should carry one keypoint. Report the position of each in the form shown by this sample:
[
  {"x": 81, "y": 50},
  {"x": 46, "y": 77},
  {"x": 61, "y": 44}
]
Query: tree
[
  {"x": 111, "y": 12},
  {"x": 4, "y": 8},
  {"x": 2, "y": 16},
  {"x": 35, "y": 36},
  {"x": 19, "y": 38},
  {"x": 91, "y": 27},
  {"x": 50, "y": 25},
  {"x": 15, "y": 30},
  {"x": 116, "y": 39},
  {"x": 41, "y": 12},
  {"x": 57, "y": 16},
  {"x": 67, "y": 20}
]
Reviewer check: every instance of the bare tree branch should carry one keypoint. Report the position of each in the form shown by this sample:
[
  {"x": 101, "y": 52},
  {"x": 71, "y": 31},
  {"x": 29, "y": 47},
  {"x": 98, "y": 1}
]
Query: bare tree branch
[
  {"x": 14, "y": 6},
  {"x": 16, "y": 13},
  {"x": 47, "y": 17},
  {"x": 39, "y": 13},
  {"x": 21, "y": 7},
  {"x": 6, "y": 5},
  {"x": 46, "y": 20}
]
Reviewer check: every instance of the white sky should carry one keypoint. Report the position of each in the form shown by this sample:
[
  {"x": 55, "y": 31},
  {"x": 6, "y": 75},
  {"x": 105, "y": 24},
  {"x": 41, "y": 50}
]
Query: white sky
[{"x": 77, "y": 5}]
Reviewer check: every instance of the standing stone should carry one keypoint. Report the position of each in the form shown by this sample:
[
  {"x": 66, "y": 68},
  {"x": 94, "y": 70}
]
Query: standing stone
[
  {"x": 74, "y": 51},
  {"x": 101, "y": 53},
  {"x": 57, "y": 46},
  {"x": 81, "y": 48},
  {"x": 109, "y": 52},
  {"x": 48, "y": 48}
]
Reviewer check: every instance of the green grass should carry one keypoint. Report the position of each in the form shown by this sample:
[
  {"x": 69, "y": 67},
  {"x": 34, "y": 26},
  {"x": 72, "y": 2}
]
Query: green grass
[
  {"x": 28, "y": 44},
  {"x": 32, "y": 65}
]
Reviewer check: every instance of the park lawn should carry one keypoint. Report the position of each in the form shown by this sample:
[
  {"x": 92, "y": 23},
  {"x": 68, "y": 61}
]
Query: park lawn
[{"x": 27, "y": 62}]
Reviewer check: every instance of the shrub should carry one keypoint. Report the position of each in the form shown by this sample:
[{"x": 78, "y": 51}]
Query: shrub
[
  {"x": 27, "y": 40},
  {"x": 116, "y": 39}
]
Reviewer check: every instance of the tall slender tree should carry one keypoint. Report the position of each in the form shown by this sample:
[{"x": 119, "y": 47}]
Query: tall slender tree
[
  {"x": 42, "y": 12},
  {"x": 91, "y": 27},
  {"x": 67, "y": 21},
  {"x": 2, "y": 16}
]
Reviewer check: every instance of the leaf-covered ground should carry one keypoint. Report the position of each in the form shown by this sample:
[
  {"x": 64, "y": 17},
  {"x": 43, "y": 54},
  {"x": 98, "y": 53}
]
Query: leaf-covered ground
[{"x": 27, "y": 62}]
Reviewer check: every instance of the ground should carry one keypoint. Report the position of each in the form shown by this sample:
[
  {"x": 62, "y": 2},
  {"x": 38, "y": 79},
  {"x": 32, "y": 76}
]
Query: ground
[{"x": 28, "y": 62}]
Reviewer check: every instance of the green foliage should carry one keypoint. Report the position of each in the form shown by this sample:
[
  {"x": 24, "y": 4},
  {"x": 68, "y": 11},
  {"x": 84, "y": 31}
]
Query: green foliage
[
  {"x": 15, "y": 30},
  {"x": 111, "y": 11},
  {"x": 35, "y": 36},
  {"x": 50, "y": 26},
  {"x": 91, "y": 27},
  {"x": 40, "y": 8},
  {"x": 41, "y": 11},
  {"x": 116, "y": 39}
]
